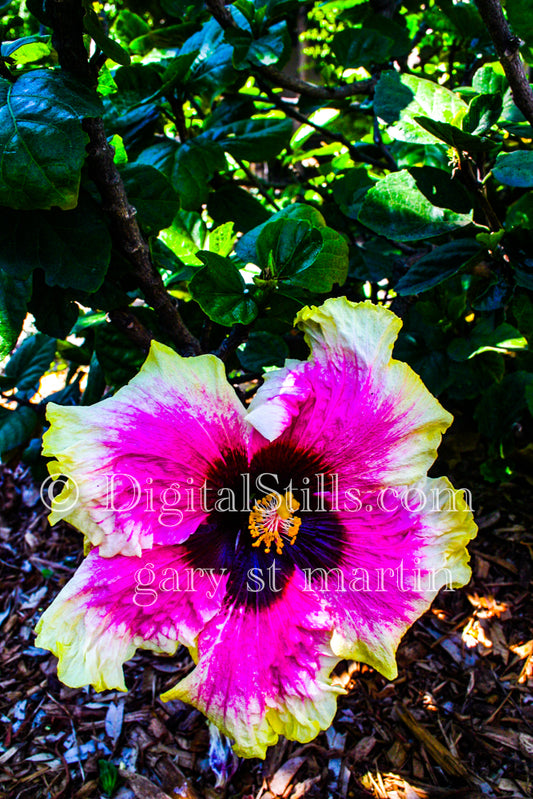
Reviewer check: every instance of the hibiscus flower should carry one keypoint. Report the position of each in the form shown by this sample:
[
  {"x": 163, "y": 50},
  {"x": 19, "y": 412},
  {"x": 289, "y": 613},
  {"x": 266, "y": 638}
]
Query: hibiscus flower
[{"x": 272, "y": 541}]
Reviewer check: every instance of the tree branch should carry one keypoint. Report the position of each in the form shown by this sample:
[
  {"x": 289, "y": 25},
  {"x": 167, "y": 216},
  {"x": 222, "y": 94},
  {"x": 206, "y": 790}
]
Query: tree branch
[
  {"x": 233, "y": 341},
  {"x": 128, "y": 237},
  {"x": 225, "y": 20},
  {"x": 132, "y": 327},
  {"x": 507, "y": 47},
  {"x": 67, "y": 24},
  {"x": 293, "y": 112}
]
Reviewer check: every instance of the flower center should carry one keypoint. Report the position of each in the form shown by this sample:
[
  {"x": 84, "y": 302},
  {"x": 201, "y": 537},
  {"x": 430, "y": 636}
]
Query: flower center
[{"x": 273, "y": 519}]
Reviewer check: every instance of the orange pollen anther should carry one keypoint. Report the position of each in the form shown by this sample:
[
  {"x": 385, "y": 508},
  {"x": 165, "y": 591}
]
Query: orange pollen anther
[{"x": 272, "y": 520}]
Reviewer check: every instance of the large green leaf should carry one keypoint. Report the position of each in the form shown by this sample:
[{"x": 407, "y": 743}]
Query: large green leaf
[
  {"x": 246, "y": 246},
  {"x": 16, "y": 427},
  {"x": 454, "y": 136},
  {"x": 502, "y": 406},
  {"x": 26, "y": 50},
  {"x": 221, "y": 292},
  {"x": 212, "y": 71},
  {"x": 296, "y": 252},
  {"x": 288, "y": 247},
  {"x": 396, "y": 208},
  {"x": 42, "y": 144},
  {"x": 117, "y": 357},
  {"x": 399, "y": 99},
  {"x": 152, "y": 195},
  {"x": 437, "y": 266},
  {"x": 486, "y": 338},
  {"x": 73, "y": 248},
  {"x": 108, "y": 46},
  {"x": 514, "y": 169},
  {"x": 263, "y": 349},
  {"x": 490, "y": 79},
  {"x": 231, "y": 203},
  {"x": 270, "y": 48},
  {"x": 13, "y": 297},
  {"x": 258, "y": 139},
  {"x": 28, "y": 364},
  {"x": 521, "y": 19},
  {"x": 185, "y": 236},
  {"x": 188, "y": 166},
  {"x": 483, "y": 112},
  {"x": 361, "y": 47}
]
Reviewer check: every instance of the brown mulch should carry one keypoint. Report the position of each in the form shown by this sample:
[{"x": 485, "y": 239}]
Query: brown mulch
[{"x": 458, "y": 721}]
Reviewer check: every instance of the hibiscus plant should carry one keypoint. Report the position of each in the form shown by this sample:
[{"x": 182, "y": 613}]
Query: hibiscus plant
[{"x": 218, "y": 221}]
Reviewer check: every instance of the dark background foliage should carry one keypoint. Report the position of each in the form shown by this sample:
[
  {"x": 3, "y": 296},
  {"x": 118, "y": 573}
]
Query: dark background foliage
[{"x": 196, "y": 173}]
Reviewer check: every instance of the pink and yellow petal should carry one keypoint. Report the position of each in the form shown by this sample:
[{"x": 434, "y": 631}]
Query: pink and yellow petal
[
  {"x": 369, "y": 416},
  {"x": 394, "y": 564},
  {"x": 146, "y": 448},
  {"x": 258, "y": 677},
  {"x": 111, "y": 607}
]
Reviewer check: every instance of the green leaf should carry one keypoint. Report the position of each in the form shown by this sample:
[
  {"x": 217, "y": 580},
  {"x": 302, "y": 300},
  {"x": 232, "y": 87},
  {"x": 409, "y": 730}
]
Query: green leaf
[
  {"x": 120, "y": 156},
  {"x": 119, "y": 359},
  {"x": 231, "y": 203},
  {"x": 95, "y": 386},
  {"x": 186, "y": 236},
  {"x": 42, "y": 144},
  {"x": 514, "y": 169},
  {"x": 28, "y": 364},
  {"x": 257, "y": 139},
  {"x": 13, "y": 297},
  {"x": 152, "y": 195},
  {"x": 194, "y": 167},
  {"x": 212, "y": 71},
  {"x": 441, "y": 188},
  {"x": 520, "y": 19},
  {"x": 188, "y": 166},
  {"x": 246, "y": 246},
  {"x": 361, "y": 47},
  {"x": 170, "y": 37},
  {"x": 222, "y": 239},
  {"x": 108, "y": 46},
  {"x": 483, "y": 112},
  {"x": 349, "y": 190},
  {"x": 396, "y": 208},
  {"x": 437, "y": 266},
  {"x": 262, "y": 349},
  {"x": 399, "y": 99},
  {"x": 490, "y": 240},
  {"x": 221, "y": 292},
  {"x": 73, "y": 248},
  {"x": 288, "y": 247},
  {"x": 267, "y": 50},
  {"x": 52, "y": 308},
  {"x": 520, "y": 213},
  {"x": 485, "y": 338},
  {"x": 454, "y": 136},
  {"x": 490, "y": 79},
  {"x": 299, "y": 254},
  {"x": 26, "y": 50},
  {"x": 129, "y": 26},
  {"x": 16, "y": 428},
  {"x": 501, "y": 407},
  {"x": 165, "y": 260}
]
